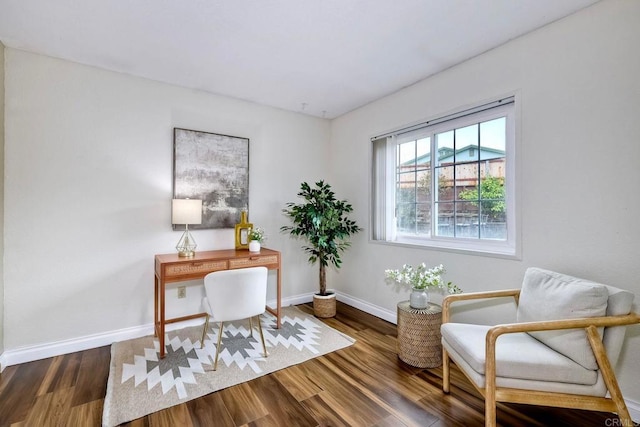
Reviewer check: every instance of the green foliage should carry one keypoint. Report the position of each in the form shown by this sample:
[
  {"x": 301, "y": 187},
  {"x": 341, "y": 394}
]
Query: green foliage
[
  {"x": 322, "y": 220},
  {"x": 492, "y": 194}
]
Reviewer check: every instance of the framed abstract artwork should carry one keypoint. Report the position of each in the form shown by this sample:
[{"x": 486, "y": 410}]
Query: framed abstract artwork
[{"x": 215, "y": 169}]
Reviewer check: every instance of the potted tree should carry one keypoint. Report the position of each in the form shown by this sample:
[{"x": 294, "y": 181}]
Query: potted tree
[{"x": 322, "y": 220}]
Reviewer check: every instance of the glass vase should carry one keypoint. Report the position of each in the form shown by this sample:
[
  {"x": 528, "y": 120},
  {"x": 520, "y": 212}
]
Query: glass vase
[{"x": 419, "y": 299}]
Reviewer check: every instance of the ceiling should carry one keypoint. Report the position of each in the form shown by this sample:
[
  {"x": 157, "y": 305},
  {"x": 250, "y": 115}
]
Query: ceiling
[{"x": 317, "y": 57}]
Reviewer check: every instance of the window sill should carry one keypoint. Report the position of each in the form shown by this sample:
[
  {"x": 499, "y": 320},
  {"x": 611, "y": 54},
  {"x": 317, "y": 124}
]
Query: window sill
[{"x": 461, "y": 246}]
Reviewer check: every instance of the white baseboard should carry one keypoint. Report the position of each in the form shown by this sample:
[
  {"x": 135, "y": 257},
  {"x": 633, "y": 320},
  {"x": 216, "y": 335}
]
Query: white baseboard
[
  {"x": 382, "y": 313},
  {"x": 42, "y": 351},
  {"x": 294, "y": 300},
  {"x": 52, "y": 349}
]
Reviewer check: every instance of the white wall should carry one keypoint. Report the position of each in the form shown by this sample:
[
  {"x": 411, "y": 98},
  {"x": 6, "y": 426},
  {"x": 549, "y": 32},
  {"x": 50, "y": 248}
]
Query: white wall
[
  {"x": 88, "y": 192},
  {"x": 1, "y": 198},
  {"x": 578, "y": 89}
]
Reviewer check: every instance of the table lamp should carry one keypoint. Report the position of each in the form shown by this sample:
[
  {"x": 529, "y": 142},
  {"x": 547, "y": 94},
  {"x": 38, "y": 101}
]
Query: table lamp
[{"x": 186, "y": 211}]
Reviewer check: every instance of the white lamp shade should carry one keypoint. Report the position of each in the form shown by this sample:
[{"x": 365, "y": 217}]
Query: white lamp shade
[{"x": 186, "y": 211}]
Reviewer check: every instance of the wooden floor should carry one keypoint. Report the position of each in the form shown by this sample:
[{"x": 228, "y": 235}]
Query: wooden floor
[{"x": 362, "y": 385}]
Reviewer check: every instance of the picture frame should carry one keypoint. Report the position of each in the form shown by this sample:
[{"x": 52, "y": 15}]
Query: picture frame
[{"x": 215, "y": 169}]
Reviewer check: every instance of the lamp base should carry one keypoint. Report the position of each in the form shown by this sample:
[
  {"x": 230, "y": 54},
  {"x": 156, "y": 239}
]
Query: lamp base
[{"x": 186, "y": 245}]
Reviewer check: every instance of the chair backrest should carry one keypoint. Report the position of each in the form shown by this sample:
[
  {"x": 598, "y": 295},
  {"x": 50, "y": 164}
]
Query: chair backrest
[
  {"x": 547, "y": 295},
  {"x": 236, "y": 294}
]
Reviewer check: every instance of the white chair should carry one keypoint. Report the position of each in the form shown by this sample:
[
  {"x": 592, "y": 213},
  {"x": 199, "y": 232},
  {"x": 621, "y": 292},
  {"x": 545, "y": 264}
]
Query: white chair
[
  {"x": 561, "y": 352},
  {"x": 235, "y": 295}
]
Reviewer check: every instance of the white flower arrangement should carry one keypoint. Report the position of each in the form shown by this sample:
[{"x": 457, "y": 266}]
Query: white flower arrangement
[
  {"x": 257, "y": 234},
  {"x": 421, "y": 277}
]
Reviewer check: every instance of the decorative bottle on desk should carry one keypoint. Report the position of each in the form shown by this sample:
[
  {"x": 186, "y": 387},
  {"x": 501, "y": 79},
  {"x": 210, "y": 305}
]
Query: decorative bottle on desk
[{"x": 242, "y": 231}]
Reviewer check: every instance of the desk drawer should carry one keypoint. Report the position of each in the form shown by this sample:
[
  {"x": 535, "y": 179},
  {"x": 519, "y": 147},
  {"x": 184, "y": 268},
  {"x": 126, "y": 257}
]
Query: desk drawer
[
  {"x": 195, "y": 267},
  {"x": 254, "y": 261}
]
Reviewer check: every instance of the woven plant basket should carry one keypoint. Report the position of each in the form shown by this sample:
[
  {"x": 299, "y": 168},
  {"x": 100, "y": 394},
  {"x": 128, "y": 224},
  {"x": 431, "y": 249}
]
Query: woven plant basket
[
  {"x": 419, "y": 335},
  {"x": 324, "y": 305}
]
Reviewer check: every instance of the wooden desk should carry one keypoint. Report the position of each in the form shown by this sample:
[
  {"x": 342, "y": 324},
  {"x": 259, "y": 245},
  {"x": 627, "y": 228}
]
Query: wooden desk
[{"x": 170, "y": 268}]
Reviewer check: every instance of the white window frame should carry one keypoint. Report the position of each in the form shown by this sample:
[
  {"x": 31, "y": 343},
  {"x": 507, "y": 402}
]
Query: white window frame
[{"x": 383, "y": 183}]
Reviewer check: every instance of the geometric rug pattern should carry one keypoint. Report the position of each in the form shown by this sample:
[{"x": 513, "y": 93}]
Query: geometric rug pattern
[
  {"x": 184, "y": 358},
  {"x": 141, "y": 383}
]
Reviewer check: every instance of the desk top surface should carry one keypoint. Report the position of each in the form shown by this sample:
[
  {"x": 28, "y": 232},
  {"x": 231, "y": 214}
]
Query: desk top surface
[{"x": 218, "y": 254}]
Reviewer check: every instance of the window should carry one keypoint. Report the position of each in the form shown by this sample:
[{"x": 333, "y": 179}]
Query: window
[{"x": 448, "y": 183}]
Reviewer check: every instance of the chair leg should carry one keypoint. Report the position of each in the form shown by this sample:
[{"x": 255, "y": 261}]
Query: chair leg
[
  {"x": 445, "y": 371},
  {"x": 215, "y": 364},
  {"x": 490, "y": 410},
  {"x": 264, "y": 347},
  {"x": 609, "y": 375},
  {"x": 204, "y": 330},
  {"x": 490, "y": 385},
  {"x": 251, "y": 326}
]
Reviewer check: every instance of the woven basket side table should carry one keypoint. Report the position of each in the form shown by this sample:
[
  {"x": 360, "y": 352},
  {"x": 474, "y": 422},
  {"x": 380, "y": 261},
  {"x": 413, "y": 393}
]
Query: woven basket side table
[{"x": 419, "y": 335}]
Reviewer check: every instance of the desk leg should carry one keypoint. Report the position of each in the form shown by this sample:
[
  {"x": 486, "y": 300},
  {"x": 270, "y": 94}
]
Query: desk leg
[
  {"x": 278, "y": 310},
  {"x": 155, "y": 306},
  {"x": 162, "y": 319},
  {"x": 278, "y": 302}
]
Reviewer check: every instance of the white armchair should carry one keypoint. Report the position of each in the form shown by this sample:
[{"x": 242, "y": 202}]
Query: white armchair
[
  {"x": 235, "y": 295},
  {"x": 561, "y": 351}
]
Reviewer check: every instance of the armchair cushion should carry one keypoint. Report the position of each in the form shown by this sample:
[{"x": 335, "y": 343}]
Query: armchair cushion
[
  {"x": 518, "y": 356},
  {"x": 547, "y": 295}
]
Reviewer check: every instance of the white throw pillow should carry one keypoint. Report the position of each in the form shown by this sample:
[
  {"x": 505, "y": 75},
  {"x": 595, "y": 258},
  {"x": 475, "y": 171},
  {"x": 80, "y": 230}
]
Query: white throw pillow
[{"x": 547, "y": 295}]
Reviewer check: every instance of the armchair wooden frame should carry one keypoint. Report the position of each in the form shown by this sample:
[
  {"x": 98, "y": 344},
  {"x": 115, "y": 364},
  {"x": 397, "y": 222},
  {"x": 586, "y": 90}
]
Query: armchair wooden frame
[{"x": 493, "y": 393}]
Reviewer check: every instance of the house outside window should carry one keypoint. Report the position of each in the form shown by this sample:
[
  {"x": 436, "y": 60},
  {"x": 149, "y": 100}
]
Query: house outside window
[{"x": 449, "y": 183}]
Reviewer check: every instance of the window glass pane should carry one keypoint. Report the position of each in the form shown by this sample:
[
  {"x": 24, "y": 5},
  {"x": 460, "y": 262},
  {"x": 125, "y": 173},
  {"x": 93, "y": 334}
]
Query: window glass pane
[
  {"x": 466, "y": 143},
  {"x": 406, "y": 190},
  {"x": 445, "y": 220},
  {"x": 406, "y": 217},
  {"x": 406, "y": 187},
  {"x": 407, "y": 154},
  {"x": 493, "y": 134},
  {"x": 423, "y": 186},
  {"x": 493, "y": 208},
  {"x": 494, "y": 168},
  {"x": 467, "y": 181},
  {"x": 493, "y": 224},
  {"x": 466, "y": 219},
  {"x": 444, "y": 147},
  {"x": 423, "y": 218},
  {"x": 406, "y": 181},
  {"x": 423, "y": 157},
  {"x": 492, "y": 193},
  {"x": 444, "y": 183}
]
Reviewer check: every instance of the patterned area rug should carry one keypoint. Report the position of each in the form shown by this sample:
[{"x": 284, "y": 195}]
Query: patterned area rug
[{"x": 140, "y": 383}]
